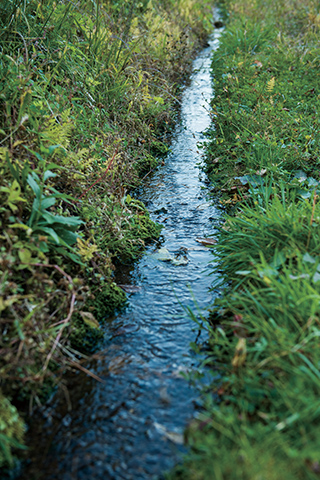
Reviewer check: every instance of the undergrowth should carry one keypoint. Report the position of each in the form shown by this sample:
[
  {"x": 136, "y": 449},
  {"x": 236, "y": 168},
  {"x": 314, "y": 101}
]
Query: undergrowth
[
  {"x": 88, "y": 97},
  {"x": 260, "y": 417}
]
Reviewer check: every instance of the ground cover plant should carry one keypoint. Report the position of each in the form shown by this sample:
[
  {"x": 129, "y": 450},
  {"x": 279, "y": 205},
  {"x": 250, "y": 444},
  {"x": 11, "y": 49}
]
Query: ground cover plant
[
  {"x": 260, "y": 417},
  {"x": 88, "y": 96}
]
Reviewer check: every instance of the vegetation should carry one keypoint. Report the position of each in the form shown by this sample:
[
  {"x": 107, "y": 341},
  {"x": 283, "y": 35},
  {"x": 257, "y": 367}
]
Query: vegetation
[
  {"x": 88, "y": 96},
  {"x": 260, "y": 416}
]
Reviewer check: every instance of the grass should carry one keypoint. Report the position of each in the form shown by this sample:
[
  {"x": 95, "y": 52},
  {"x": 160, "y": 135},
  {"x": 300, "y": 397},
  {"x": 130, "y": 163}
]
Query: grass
[
  {"x": 260, "y": 415},
  {"x": 88, "y": 98}
]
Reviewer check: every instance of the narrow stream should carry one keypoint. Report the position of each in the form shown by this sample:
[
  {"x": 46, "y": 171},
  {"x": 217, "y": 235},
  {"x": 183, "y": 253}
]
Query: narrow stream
[{"x": 131, "y": 426}]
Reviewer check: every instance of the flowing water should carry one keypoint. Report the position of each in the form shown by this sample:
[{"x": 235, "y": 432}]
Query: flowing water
[{"x": 130, "y": 427}]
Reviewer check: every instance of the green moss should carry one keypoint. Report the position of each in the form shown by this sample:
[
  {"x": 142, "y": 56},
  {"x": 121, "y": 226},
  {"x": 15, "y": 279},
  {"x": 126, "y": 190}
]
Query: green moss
[
  {"x": 146, "y": 164},
  {"x": 22, "y": 392},
  {"x": 11, "y": 431},
  {"x": 107, "y": 300},
  {"x": 143, "y": 227},
  {"x": 137, "y": 229},
  {"x": 84, "y": 337},
  {"x": 159, "y": 148}
]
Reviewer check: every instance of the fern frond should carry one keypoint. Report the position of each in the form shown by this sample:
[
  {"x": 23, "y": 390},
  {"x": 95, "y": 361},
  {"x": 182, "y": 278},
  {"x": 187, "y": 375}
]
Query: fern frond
[
  {"x": 270, "y": 84},
  {"x": 58, "y": 133},
  {"x": 85, "y": 249},
  {"x": 3, "y": 154}
]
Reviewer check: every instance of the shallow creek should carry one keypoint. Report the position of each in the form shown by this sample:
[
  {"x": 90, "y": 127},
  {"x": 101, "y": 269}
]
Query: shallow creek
[{"x": 130, "y": 427}]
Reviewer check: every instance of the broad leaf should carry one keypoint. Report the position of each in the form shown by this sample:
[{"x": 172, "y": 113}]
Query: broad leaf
[
  {"x": 33, "y": 184},
  {"x": 47, "y": 202},
  {"x": 67, "y": 236},
  {"x": 49, "y": 218},
  {"x": 51, "y": 233},
  {"x": 24, "y": 255},
  {"x": 48, "y": 174}
]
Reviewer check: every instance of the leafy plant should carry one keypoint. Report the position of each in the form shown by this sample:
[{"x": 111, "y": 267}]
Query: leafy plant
[{"x": 59, "y": 229}]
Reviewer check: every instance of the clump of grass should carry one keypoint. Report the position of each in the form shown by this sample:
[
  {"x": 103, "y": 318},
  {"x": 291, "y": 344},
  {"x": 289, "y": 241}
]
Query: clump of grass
[
  {"x": 261, "y": 415},
  {"x": 276, "y": 227}
]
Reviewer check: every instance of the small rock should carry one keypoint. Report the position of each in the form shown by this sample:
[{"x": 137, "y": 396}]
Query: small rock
[{"x": 218, "y": 24}]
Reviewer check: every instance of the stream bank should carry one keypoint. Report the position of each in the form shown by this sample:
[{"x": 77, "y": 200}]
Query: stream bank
[
  {"x": 131, "y": 426},
  {"x": 88, "y": 97}
]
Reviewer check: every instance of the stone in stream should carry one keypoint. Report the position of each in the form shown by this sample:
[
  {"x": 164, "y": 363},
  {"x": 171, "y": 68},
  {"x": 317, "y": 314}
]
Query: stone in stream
[{"x": 164, "y": 255}]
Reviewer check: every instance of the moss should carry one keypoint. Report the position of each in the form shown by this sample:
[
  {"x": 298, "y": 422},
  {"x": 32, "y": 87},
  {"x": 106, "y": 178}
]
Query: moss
[
  {"x": 143, "y": 227},
  {"x": 84, "y": 337},
  {"x": 146, "y": 164},
  {"x": 11, "y": 431},
  {"x": 137, "y": 230},
  {"x": 159, "y": 148},
  {"x": 22, "y": 391},
  {"x": 107, "y": 300}
]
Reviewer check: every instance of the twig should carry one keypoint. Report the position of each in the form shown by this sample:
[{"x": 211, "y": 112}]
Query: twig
[
  {"x": 56, "y": 267},
  {"x": 102, "y": 176},
  {"x": 150, "y": 171},
  {"x": 85, "y": 370},
  {"x": 56, "y": 324},
  {"x": 55, "y": 343}
]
